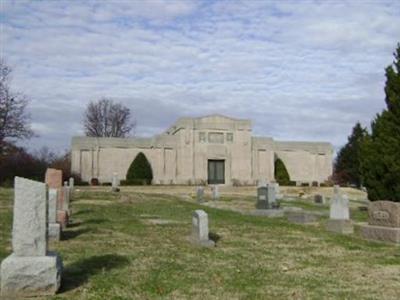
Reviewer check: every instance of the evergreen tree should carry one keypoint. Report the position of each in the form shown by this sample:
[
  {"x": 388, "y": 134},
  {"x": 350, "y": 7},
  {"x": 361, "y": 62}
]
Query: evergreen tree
[
  {"x": 281, "y": 173},
  {"x": 140, "y": 171},
  {"x": 347, "y": 166},
  {"x": 380, "y": 158}
]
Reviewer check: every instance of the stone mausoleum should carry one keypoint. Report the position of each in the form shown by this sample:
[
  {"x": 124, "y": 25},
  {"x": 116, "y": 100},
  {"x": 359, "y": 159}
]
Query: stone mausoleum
[{"x": 211, "y": 149}]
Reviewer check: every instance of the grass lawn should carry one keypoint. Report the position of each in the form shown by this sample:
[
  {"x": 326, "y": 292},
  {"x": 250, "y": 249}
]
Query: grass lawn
[{"x": 119, "y": 248}]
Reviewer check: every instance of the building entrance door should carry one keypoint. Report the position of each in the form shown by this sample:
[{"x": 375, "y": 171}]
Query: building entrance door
[{"x": 216, "y": 171}]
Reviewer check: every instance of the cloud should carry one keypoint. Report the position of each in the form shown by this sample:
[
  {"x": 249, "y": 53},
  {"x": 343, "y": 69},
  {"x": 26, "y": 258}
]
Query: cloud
[{"x": 300, "y": 70}]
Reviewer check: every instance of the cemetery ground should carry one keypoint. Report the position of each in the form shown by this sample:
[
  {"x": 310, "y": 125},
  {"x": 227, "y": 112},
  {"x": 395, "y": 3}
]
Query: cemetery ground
[{"x": 134, "y": 245}]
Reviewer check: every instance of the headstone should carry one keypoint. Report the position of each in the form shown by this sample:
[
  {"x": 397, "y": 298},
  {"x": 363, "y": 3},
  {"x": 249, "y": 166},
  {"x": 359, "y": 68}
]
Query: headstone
[
  {"x": 383, "y": 222},
  {"x": 319, "y": 199},
  {"x": 200, "y": 229},
  {"x": 200, "y": 194},
  {"x": 266, "y": 202},
  {"x": 215, "y": 192},
  {"x": 66, "y": 197},
  {"x": 30, "y": 270},
  {"x": 71, "y": 183},
  {"x": 53, "y": 179},
  {"x": 71, "y": 187},
  {"x": 266, "y": 197},
  {"x": 339, "y": 209},
  {"x": 54, "y": 228},
  {"x": 278, "y": 194},
  {"x": 339, "y": 214},
  {"x": 115, "y": 183}
]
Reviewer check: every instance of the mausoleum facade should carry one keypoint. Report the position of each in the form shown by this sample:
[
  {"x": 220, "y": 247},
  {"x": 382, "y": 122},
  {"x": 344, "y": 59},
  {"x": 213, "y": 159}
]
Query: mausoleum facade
[{"x": 211, "y": 149}]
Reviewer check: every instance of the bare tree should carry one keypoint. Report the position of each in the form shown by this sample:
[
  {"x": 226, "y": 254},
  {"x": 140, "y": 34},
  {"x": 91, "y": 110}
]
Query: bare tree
[
  {"x": 14, "y": 120},
  {"x": 104, "y": 118}
]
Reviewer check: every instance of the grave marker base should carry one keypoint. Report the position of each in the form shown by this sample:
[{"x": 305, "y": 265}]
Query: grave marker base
[
  {"x": 340, "y": 226},
  {"x": 272, "y": 213},
  {"x": 301, "y": 217},
  {"x": 380, "y": 233},
  {"x": 30, "y": 276}
]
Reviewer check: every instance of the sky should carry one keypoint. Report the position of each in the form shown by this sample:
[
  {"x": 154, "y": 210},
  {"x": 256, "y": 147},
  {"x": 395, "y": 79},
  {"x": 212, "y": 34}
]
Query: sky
[{"x": 300, "y": 70}]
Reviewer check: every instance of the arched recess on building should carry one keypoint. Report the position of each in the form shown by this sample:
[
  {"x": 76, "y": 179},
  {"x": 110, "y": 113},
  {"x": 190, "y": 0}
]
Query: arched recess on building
[{"x": 140, "y": 170}]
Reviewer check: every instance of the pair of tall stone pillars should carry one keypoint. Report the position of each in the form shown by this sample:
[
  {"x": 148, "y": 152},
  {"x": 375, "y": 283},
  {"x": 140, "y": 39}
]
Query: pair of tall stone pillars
[
  {"x": 30, "y": 270},
  {"x": 54, "y": 181},
  {"x": 339, "y": 220}
]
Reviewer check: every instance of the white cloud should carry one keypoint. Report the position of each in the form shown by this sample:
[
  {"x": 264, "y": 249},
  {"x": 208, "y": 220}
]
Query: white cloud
[{"x": 300, "y": 70}]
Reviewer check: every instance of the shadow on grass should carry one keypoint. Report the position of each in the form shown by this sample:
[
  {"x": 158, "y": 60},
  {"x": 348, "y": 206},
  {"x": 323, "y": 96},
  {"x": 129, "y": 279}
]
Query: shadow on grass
[
  {"x": 72, "y": 223},
  {"x": 79, "y": 272},
  {"x": 70, "y": 234},
  {"x": 82, "y": 212},
  {"x": 96, "y": 221},
  {"x": 215, "y": 237}
]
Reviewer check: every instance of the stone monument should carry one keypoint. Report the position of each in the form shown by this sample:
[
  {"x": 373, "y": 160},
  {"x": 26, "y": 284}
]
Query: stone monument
[
  {"x": 115, "y": 183},
  {"x": 319, "y": 199},
  {"x": 200, "y": 194},
  {"x": 53, "y": 179},
  {"x": 30, "y": 270},
  {"x": 66, "y": 198},
  {"x": 266, "y": 202},
  {"x": 215, "y": 192},
  {"x": 339, "y": 214},
  {"x": 266, "y": 197},
  {"x": 383, "y": 222},
  {"x": 278, "y": 194},
  {"x": 200, "y": 229},
  {"x": 71, "y": 187},
  {"x": 54, "y": 228}
]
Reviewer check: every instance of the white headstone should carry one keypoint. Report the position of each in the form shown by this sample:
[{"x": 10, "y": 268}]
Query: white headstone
[
  {"x": 71, "y": 183},
  {"x": 339, "y": 209},
  {"x": 30, "y": 270},
  {"x": 271, "y": 194},
  {"x": 66, "y": 191},
  {"x": 54, "y": 229},
  {"x": 200, "y": 229},
  {"x": 200, "y": 225},
  {"x": 114, "y": 181},
  {"x": 30, "y": 218},
  {"x": 53, "y": 194},
  {"x": 215, "y": 192}
]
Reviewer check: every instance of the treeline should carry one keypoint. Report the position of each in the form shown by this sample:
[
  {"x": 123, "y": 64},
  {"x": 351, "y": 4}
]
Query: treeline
[
  {"x": 102, "y": 118},
  {"x": 372, "y": 158},
  {"x": 16, "y": 161}
]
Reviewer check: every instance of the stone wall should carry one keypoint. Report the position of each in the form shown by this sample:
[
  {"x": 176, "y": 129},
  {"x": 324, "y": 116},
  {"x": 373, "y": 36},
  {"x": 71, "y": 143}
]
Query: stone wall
[{"x": 181, "y": 154}]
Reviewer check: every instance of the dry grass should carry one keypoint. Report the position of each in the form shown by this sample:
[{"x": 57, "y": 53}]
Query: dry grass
[{"x": 114, "y": 251}]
